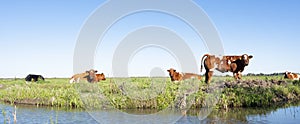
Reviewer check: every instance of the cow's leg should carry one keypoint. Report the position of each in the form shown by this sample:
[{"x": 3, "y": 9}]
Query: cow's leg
[
  {"x": 208, "y": 76},
  {"x": 239, "y": 75},
  {"x": 235, "y": 75}
]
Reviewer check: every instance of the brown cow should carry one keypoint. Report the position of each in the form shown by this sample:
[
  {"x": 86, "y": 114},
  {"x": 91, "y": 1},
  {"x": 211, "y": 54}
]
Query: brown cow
[
  {"x": 292, "y": 76},
  {"x": 100, "y": 77},
  {"x": 176, "y": 76},
  {"x": 235, "y": 64},
  {"x": 89, "y": 76}
]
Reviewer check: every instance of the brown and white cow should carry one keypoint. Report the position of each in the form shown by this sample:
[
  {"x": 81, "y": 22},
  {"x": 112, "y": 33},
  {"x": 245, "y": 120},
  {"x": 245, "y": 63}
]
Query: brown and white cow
[
  {"x": 176, "y": 76},
  {"x": 292, "y": 76},
  {"x": 89, "y": 76},
  {"x": 100, "y": 77},
  {"x": 235, "y": 64}
]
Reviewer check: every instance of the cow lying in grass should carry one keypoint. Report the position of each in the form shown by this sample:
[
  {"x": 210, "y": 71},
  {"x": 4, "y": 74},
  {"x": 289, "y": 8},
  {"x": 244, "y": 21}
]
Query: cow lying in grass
[
  {"x": 89, "y": 76},
  {"x": 34, "y": 78},
  {"x": 100, "y": 77},
  {"x": 176, "y": 76},
  {"x": 292, "y": 76},
  {"x": 235, "y": 64}
]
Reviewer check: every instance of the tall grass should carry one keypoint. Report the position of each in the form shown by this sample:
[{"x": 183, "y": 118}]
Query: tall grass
[
  {"x": 53, "y": 92},
  {"x": 144, "y": 93}
]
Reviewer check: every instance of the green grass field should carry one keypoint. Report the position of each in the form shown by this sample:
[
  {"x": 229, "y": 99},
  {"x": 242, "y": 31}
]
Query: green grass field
[{"x": 146, "y": 93}]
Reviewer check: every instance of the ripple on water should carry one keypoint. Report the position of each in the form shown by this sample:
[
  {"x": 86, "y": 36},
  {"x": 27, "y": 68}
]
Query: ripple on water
[{"x": 33, "y": 114}]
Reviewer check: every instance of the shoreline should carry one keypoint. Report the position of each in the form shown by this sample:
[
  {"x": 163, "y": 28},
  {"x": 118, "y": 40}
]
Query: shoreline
[{"x": 55, "y": 92}]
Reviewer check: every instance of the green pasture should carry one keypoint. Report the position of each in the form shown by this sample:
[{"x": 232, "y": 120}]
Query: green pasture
[{"x": 146, "y": 93}]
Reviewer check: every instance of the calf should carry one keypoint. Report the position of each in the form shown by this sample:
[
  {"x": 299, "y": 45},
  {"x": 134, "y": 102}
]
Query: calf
[
  {"x": 235, "y": 64},
  {"x": 89, "y": 76},
  {"x": 34, "y": 78},
  {"x": 292, "y": 76},
  {"x": 176, "y": 76},
  {"x": 100, "y": 77}
]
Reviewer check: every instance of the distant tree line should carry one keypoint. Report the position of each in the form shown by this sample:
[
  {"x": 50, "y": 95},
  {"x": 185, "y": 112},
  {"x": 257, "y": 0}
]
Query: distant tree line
[{"x": 262, "y": 74}]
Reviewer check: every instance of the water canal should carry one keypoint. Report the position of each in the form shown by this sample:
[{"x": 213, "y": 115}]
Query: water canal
[{"x": 33, "y": 114}]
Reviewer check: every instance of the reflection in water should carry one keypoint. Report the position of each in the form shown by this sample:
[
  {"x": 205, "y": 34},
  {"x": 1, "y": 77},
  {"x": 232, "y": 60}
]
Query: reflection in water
[
  {"x": 268, "y": 115},
  {"x": 146, "y": 116},
  {"x": 31, "y": 114}
]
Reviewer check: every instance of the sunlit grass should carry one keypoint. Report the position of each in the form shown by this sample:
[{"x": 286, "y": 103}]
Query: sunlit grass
[{"x": 145, "y": 93}]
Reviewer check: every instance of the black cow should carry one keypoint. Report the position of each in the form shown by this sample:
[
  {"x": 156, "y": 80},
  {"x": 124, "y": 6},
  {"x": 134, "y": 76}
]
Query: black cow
[{"x": 33, "y": 77}]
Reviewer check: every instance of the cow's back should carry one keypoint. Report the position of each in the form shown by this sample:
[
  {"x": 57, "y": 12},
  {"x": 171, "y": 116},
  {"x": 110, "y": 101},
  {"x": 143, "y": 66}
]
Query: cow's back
[
  {"x": 28, "y": 77},
  {"x": 78, "y": 77},
  {"x": 191, "y": 75},
  {"x": 34, "y": 77}
]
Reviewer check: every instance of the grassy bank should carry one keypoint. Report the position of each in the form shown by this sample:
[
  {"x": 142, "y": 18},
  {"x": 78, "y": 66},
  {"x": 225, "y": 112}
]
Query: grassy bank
[
  {"x": 52, "y": 92},
  {"x": 157, "y": 93}
]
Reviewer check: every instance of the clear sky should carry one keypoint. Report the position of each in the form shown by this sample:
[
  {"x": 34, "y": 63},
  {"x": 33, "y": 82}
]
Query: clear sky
[{"x": 39, "y": 36}]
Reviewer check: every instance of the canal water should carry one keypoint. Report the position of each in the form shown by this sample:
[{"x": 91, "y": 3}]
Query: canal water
[{"x": 33, "y": 114}]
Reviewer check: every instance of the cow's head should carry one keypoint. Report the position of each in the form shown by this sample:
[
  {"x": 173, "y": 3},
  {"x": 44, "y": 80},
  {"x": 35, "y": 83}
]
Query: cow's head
[
  {"x": 101, "y": 77},
  {"x": 288, "y": 75},
  {"x": 41, "y": 77},
  {"x": 91, "y": 77},
  {"x": 173, "y": 74},
  {"x": 246, "y": 59}
]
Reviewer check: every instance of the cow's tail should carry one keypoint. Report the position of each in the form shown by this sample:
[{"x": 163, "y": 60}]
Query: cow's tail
[{"x": 204, "y": 56}]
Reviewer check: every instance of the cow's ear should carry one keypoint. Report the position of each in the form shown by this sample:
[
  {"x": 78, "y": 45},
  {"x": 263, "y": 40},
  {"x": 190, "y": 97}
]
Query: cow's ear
[
  {"x": 101, "y": 73},
  {"x": 174, "y": 70},
  {"x": 250, "y": 57},
  {"x": 168, "y": 70}
]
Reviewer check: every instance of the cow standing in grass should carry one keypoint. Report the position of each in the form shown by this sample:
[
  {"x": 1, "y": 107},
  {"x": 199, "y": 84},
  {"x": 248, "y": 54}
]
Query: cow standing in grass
[
  {"x": 235, "y": 64},
  {"x": 89, "y": 76},
  {"x": 176, "y": 76}
]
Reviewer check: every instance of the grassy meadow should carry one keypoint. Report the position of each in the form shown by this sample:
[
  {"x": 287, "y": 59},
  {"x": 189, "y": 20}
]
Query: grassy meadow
[{"x": 156, "y": 93}]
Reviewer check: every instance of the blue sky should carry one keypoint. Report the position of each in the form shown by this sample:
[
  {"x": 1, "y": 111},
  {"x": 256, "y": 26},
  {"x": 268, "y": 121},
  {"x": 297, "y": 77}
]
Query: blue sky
[{"x": 40, "y": 36}]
